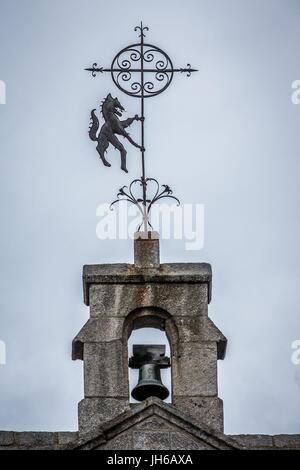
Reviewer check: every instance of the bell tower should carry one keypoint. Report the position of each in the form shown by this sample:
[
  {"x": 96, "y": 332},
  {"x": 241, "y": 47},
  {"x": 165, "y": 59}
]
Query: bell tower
[{"x": 171, "y": 297}]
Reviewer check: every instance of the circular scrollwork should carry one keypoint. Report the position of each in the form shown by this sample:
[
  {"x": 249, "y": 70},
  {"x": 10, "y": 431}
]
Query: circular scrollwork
[{"x": 142, "y": 70}]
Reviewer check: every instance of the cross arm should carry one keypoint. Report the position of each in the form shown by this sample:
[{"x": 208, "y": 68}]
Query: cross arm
[{"x": 95, "y": 69}]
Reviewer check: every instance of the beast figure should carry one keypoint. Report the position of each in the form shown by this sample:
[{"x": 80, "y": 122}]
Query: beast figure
[{"x": 111, "y": 110}]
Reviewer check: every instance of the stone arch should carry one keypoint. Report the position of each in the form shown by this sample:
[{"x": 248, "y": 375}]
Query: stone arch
[{"x": 152, "y": 317}]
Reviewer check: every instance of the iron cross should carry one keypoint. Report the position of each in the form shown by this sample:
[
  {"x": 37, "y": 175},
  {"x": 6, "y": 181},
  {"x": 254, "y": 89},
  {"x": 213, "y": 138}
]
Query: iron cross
[{"x": 142, "y": 71}]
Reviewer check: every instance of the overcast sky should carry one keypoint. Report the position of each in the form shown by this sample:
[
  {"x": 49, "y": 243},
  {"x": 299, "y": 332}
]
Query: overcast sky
[{"x": 228, "y": 138}]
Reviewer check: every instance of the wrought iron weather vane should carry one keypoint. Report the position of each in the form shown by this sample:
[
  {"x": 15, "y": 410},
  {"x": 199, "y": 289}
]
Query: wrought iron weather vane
[{"x": 141, "y": 71}]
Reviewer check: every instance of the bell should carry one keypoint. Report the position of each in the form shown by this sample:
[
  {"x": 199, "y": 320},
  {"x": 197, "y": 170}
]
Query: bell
[
  {"x": 149, "y": 359},
  {"x": 149, "y": 384}
]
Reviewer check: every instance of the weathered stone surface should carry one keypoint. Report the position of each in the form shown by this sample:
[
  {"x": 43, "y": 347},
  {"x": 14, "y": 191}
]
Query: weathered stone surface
[
  {"x": 182, "y": 441},
  {"x": 142, "y": 420},
  {"x": 123, "y": 441},
  {"x": 287, "y": 441},
  {"x": 36, "y": 439},
  {"x": 191, "y": 273},
  {"x": 105, "y": 373},
  {"x": 146, "y": 436},
  {"x": 66, "y": 437},
  {"x": 121, "y": 299},
  {"x": 153, "y": 440},
  {"x": 102, "y": 329},
  {"x": 197, "y": 370},
  {"x": 153, "y": 424},
  {"x": 171, "y": 297},
  {"x": 255, "y": 441},
  {"x": 200, "y": 328},
  {"x": 93, "y": 412},
  {"x": 6, "y": 438},
  {"x": 146, "y": 250},
  {"x": 207, "y": 411}
]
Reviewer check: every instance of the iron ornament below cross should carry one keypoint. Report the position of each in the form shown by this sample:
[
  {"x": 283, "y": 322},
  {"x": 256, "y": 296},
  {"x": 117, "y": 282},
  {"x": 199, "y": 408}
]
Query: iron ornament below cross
[{"x": 140, "y": 70}]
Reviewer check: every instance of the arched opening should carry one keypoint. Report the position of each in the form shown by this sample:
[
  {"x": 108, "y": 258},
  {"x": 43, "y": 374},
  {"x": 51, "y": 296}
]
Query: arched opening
[
  {"x": 149, "y": 336},
  {"x": 151, "y": 326}
]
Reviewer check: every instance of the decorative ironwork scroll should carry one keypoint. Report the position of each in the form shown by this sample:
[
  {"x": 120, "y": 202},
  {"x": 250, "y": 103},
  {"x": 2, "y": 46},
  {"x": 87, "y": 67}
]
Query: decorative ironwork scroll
[{"x": 142, "y": 71}]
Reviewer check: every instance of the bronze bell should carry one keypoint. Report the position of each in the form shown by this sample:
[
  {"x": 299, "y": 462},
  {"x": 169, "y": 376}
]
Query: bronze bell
[{"x": 149, "y": 359}]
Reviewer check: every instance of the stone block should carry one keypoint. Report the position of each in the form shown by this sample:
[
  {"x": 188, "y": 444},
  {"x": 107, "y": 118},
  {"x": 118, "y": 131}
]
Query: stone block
[
  {"x": 182, "y": 441},
  {"x": 121, "y": 442},
  {"x": 36, "y": 439},
  {"x": 254, "y": 441},
  {"x": 121, "y": 299},
  {"x": 151, "y": 440},
  {"x": 201, "y": 328},
  {"x": 203, "y": 411},
  {"x": 196, "y": 371},
  {"x": 198, "y": 328},
  {"x": 6, "y": 438},
  {"x": 146, "y": 250},
  {"x": 93, "y": 412},
  {"x": 105, "y": 372},
  {"x": 102, "y": 330},
  {"x": 287, "y": 441},
  {"x": 153, "y": 424},
  {"x": 97, "y": 330},
  {"x": 118, "y": 274},
  {"x": 66, "y": 437}
]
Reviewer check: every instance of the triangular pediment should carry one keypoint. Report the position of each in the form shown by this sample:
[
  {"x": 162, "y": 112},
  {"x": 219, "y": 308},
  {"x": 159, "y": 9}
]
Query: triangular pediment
[{"x": 153, "y": 425}]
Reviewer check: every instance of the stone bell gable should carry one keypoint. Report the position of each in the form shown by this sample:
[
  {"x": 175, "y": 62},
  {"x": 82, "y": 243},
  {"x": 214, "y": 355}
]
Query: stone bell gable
[{"x": 171, "y": 297}]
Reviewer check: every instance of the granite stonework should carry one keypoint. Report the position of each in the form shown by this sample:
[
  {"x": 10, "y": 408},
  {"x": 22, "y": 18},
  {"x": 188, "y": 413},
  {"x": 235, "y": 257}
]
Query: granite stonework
[
  {"x": 37, "y": 440},
  {"x": 122, "y": 298},
  {"x": 152, "y": 425},
  {"x": 172, "y": 297},
  {"x": 92, "y": 411}
]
